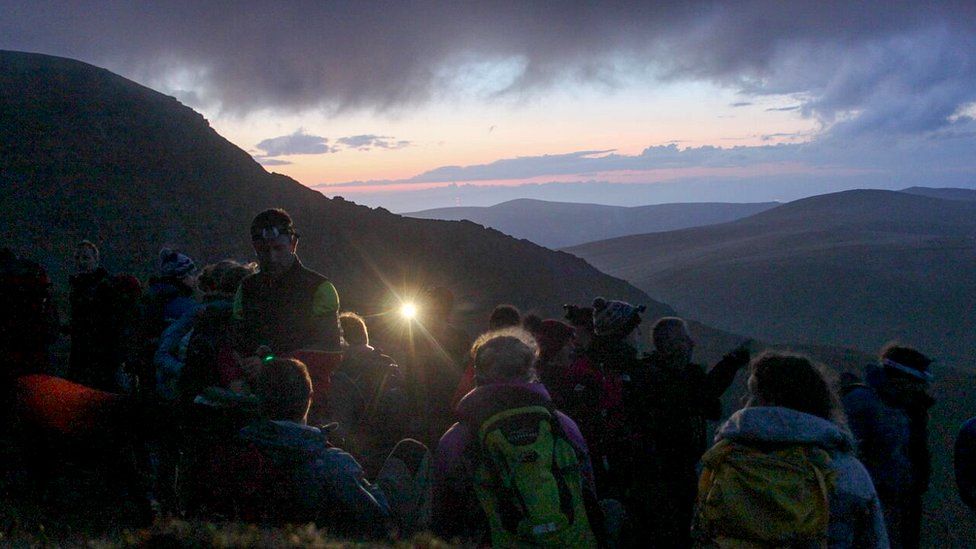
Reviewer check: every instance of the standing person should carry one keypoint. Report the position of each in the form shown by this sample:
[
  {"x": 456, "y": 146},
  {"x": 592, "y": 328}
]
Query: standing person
[
  {"x": 671, "y": 401},
  {"x": 783, "y": 472},
  {"x": 502, "y": 316},
  {"x": 440, "y": 358},
  {"x": 556, "y": 354},
  {"x": 581, "y": 319},
  {"x": 87, "y": 361},
  {"x": 598, "y": 378},
  {"x": 513, "y": 471},
  {"x": 169, "y": 296},
  {"x": 889, "y": 417},
  {"x": 965, "y": 463},
  {"x": 29, "y": 324},
  {"x": 286, "y": 309}
]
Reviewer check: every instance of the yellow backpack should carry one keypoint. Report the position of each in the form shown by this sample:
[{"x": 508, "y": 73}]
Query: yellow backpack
[{"x": 749, "y": 498}]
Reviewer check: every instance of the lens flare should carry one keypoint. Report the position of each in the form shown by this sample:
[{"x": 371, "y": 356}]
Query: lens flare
[{"x": 408, "y": 311}]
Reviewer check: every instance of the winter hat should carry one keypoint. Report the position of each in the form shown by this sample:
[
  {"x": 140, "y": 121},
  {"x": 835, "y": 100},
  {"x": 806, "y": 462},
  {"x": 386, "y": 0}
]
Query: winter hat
[
  {"x": 552, "y": 336},
  {"x": 615, "y": 317},
  {"x": 175, "y": 264},
  {"x": 906, "y": 361}
]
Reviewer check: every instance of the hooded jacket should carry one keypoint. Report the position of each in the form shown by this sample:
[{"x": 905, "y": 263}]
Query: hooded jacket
[
  {"x": 296, "y": 476},
  {"x": 891, "y": 428},
  {"x": 455, "y": 507},
  {"x": 855, "y": 511}
]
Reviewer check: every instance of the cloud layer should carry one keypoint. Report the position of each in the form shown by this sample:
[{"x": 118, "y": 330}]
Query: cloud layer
[{"x": 857, "y": 67}]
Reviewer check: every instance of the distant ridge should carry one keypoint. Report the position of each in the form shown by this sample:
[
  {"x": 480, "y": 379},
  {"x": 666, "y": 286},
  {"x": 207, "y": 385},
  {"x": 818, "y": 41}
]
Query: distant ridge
[
  {"x": 948, "y": 193},
  {"x": 562, "y": 224},
  {"x": 854, "y": 268}
]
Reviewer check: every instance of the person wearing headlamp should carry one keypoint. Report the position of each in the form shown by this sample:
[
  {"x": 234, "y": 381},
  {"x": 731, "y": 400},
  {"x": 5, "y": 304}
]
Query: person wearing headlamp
[{"x": 286, "y": 309}]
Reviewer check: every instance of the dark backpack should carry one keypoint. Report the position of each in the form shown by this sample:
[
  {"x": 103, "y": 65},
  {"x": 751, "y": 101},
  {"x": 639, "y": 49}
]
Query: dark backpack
[
  {"x": 211, "y": 336},
  {"x": 529, "y": 480}
]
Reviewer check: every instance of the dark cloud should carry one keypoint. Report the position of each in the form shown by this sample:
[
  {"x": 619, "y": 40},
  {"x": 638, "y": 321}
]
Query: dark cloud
[
  {"x": 296, "y": 143},
  {"x": 741, "y": 104},
  {"x": 367, "y": 142},
  {"x": 858, "y": 67},
  {"x": 783, "y": 109}
]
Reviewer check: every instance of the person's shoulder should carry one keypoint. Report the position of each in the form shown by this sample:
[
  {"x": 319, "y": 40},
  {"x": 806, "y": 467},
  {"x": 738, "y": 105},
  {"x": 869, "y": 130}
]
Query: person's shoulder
[{"x": 851, "y": 477}]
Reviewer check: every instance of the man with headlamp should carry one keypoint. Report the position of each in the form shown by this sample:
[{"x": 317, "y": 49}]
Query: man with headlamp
[{"x": 286, "y": 309}]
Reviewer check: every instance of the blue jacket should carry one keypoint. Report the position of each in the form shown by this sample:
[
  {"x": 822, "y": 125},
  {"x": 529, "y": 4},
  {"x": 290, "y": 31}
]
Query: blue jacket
[
  {"x": 856, "y": 519},
  {"x": 302, "y": 478},
  {"x": 965, "y": 462},
  {"x": 891, "y": 445}
]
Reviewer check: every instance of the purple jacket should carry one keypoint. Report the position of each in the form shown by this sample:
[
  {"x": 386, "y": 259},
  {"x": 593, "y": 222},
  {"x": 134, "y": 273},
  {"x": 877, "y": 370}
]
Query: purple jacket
[{"x": 455, "y": 509}]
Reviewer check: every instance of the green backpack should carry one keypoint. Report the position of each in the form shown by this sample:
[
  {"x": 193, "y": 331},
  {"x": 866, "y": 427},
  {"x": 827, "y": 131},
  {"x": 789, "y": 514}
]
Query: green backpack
[{"x": 529, "y": 481}]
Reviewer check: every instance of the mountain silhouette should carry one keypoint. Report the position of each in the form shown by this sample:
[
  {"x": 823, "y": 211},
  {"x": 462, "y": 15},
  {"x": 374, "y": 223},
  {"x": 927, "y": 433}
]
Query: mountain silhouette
[
  {"x": 89, "y": 154},
  {"x": 562, "y": 224}
]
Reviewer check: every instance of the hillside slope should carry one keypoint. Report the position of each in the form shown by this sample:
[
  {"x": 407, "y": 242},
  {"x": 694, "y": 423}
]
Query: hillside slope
[
  {"x": 562, "y": 224},
  {"x": 855, "y": 268},
  {"x": 89, "y": 154}
]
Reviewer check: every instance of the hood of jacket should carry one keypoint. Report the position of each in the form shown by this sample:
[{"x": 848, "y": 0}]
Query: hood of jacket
[{"x": 776, "y": 425}]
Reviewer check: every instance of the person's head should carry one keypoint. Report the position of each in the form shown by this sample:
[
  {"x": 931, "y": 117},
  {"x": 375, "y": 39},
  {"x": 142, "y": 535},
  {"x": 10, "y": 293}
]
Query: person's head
[
  {"x": 223, "y": 278},
  {"x": 532, "y": 323},
  {"x": 439, "y": 303},
  {"x": 86, "y": 257},
  {"x": 555, "y": 340},
  {"x": 507, "y": 355},
  {"x": 353, "y": 329},
  {"x": 795, "y": 382},
  {"x": 581, "y": 319},
  {"x": 178, "y": 267},
  {"x": 616, "y": 319},
  {"x": 905, "y": 365},
  {"x": 285, "y": 390},
  {"x": 672, "y": 338},
  {"x": 504, "y": 316},
  {"x": 275, "y": 241}
]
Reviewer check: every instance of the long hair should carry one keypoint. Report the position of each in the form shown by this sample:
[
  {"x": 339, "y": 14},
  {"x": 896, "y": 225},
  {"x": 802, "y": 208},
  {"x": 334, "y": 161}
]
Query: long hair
[{"x": 796, "y": 382}]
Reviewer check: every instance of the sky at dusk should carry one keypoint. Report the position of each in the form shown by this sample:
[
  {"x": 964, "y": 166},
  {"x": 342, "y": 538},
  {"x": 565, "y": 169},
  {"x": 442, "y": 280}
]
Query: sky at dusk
[{"x": 414, "y": 105}]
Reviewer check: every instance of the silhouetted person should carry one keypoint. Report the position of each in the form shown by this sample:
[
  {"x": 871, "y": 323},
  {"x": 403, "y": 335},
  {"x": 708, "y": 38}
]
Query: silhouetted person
[
  {"x": 670, "y": 403},
  {"x": 596, "y": 382},
  {"x": 502, "y": 316},
  {"x": 965, "y": 463},
  {"x": 169, "y": 296},
  {"x": 286, "y": 308},
  {"x": 29, "y": 323},
  {"x": 556, "y": 355},
  {"x": 368, "y": 397},
  {"x": 889, "y": 417},
  {"x": 440, "y": 357},
  {"x": 89, "y": 362},
  {"x": 783, "y": 472}
]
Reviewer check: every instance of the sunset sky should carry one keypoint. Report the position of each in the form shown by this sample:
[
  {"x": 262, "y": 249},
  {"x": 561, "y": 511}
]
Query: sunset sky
[{"x": 413, "y": 105}]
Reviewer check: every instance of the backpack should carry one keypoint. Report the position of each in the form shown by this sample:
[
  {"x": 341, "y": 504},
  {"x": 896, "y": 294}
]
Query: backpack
[
  {"x": 751, "y": 498},
  {"x": 529, "y": 481}
]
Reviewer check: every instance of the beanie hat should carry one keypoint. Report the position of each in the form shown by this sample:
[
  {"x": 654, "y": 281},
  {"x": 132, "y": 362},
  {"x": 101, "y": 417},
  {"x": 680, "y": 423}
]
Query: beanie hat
[
  {"x": 615, "y": 317},
  {"x": 175, "y": 264},
  {"x": 552, "y": 336}
]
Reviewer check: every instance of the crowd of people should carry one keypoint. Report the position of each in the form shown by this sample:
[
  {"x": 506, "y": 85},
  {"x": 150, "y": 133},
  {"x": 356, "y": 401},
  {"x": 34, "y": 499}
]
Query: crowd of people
[{"x": 270, "y": 405}]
